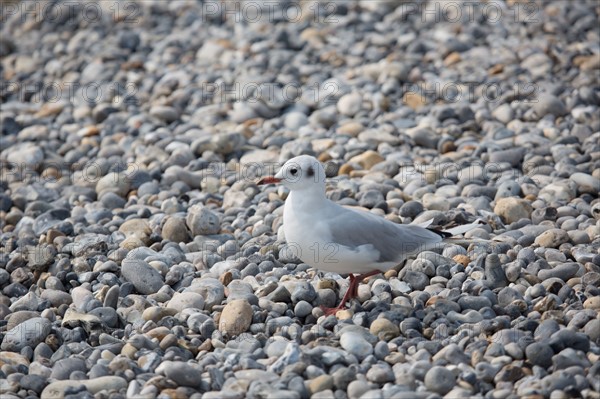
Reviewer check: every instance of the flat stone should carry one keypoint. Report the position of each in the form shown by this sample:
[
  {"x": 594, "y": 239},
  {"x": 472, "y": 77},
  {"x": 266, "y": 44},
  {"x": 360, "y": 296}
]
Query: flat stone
[
  {"x": 367, "y": 159},
  {"x": 563, "y": 271},
  {"x": 356, "y": 344},
  {"x": 182, "y": 373},
  {"x": 144, "y": 277},
  {"x": 552, "y": 238},
  {"x": 186, "y": 300},
  {"x": 57, "y": 389},
  {"x": 27, "y": 334}
]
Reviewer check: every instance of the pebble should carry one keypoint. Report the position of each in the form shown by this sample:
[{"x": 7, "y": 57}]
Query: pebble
[
  {"x": 539, "y": 354},
  {"x": 563, "y": 271},
  {"x": 116, "y": 183},
  {"x": 439, "y": 380},
  {"x": 175, "y": 230},
  {"x": 144, "y": 277},
  {"x": 29, "y": 333},
  {"x": 182, "y": 373},
  {"x": 512, "y": 209},
  {"x": 202, "y": 221},
  {"x": 62, "y": 369},
  {"x": 552, "y": 238},
  {"x": 236, "y": 317},
  {"x": 380, "y": 373},
  {"x": 141, "y": 259},
  {"x": 60, "y": 389},
  {"x": 355, "y": 344},
  {"x": 592, "y": 303},
  {"x": 186, "y": 300},
  {"x": 494, "y": 272},
  {"x": 33, "y": 382},
  {"x": 367, "y": 159},
  {"x": 350, "y": 104},
  {"x": 321, "y": 383},
  {"x": 549, "y": 104},
  {"x": 384, "y": 328}
]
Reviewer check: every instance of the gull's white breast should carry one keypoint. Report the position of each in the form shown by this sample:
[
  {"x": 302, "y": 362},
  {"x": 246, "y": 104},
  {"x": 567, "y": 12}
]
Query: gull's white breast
[{"x": 308, "y": 235}]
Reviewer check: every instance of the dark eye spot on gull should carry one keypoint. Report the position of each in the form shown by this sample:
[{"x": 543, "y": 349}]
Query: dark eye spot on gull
[{"x": 310, "y": 172}]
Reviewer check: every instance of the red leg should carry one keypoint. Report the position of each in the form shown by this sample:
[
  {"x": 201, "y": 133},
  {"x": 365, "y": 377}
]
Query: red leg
[{"x": 351, "y": 292}]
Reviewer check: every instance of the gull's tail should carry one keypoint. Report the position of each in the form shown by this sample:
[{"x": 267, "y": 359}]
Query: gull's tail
[
  {"x": 454, "y": 231},
  {"x": 448, "y": 234}
]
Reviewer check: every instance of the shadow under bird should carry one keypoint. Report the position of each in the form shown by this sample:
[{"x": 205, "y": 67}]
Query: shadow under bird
[{"x": 334, "y": 238}]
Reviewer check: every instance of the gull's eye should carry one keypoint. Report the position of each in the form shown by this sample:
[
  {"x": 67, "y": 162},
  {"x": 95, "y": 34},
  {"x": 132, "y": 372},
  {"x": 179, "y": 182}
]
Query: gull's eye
[{"x": 294, "y": 171}]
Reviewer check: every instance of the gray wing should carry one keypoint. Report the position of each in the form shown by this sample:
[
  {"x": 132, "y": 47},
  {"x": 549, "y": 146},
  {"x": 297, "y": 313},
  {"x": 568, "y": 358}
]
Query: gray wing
[{"x": 353, "y": 228}]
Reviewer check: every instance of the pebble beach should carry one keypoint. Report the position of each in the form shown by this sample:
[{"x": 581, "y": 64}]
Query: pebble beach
[{"x": 139, "y": 258}]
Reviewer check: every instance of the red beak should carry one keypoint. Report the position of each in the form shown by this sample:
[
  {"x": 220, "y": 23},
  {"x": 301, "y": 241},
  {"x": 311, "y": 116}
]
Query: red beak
[{"x": 268, "y": 180}]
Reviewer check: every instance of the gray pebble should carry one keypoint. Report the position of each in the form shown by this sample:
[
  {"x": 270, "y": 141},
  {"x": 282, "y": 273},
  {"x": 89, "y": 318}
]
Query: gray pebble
[
  {"x": 494, "y": 272},
  {"x": 549, "y": 104},
  {"x": 181, "y": 373},
  {"x": 144, "y": 277},
  {"x": 439, "y": 380},
  {"x": 62, "y": 369},
  {"x": 563, "y": 271},
  {"x": 303, "y": 309},
  {"x": 28, "y": 333}
]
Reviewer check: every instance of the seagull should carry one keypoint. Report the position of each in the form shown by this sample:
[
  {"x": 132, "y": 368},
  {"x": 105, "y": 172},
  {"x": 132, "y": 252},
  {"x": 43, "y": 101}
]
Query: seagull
[{"x": 334, "y": 238}]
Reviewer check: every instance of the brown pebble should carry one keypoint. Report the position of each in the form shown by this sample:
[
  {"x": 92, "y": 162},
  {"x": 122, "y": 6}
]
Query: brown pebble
[
  {"x": 592, "y": 303},
  {"x": 236, "y": 317},
  {"x": 358, "y": 173},
  {"x": 431, "y": 301},
  {"x": 324, "y": 157},
  {"x": 428, "y": 332},
  {"x": 88, "y": 131},
  {"x": 226, "y": 278},
  {"x": 168, "y": 341},
  {"x": 345, "y": 169},
  {"x": 51, "y": 174},
  {"x": 206, "y": 346},
  {"x": 496, "y": 69},
  {"x": 128, "y": 350},
  {"x": 351, "y": 128},
  {"x": 452, "y": 58},
  {"x": 158, "y": 332},
  {"x": 344, "y": 314},
  {"x": 462, "y": 259},
  {"x": 326, "y": 283},
  {"x": 390, "y": 274},
  {"x": 476, "y": 358},
  {"x": 448, "y": 146},
  {"x": 52, "y": 234},
  {"x": 414, "y": 100},
  {"x": 53, "y": 342}
]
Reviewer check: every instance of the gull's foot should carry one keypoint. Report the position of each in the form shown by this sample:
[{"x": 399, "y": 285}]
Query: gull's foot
[{"x": 331, "y": 311}]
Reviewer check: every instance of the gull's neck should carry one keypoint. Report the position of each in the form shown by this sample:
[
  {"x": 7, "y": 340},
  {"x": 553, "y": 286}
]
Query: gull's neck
[{"x": 309, "y": 200}]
